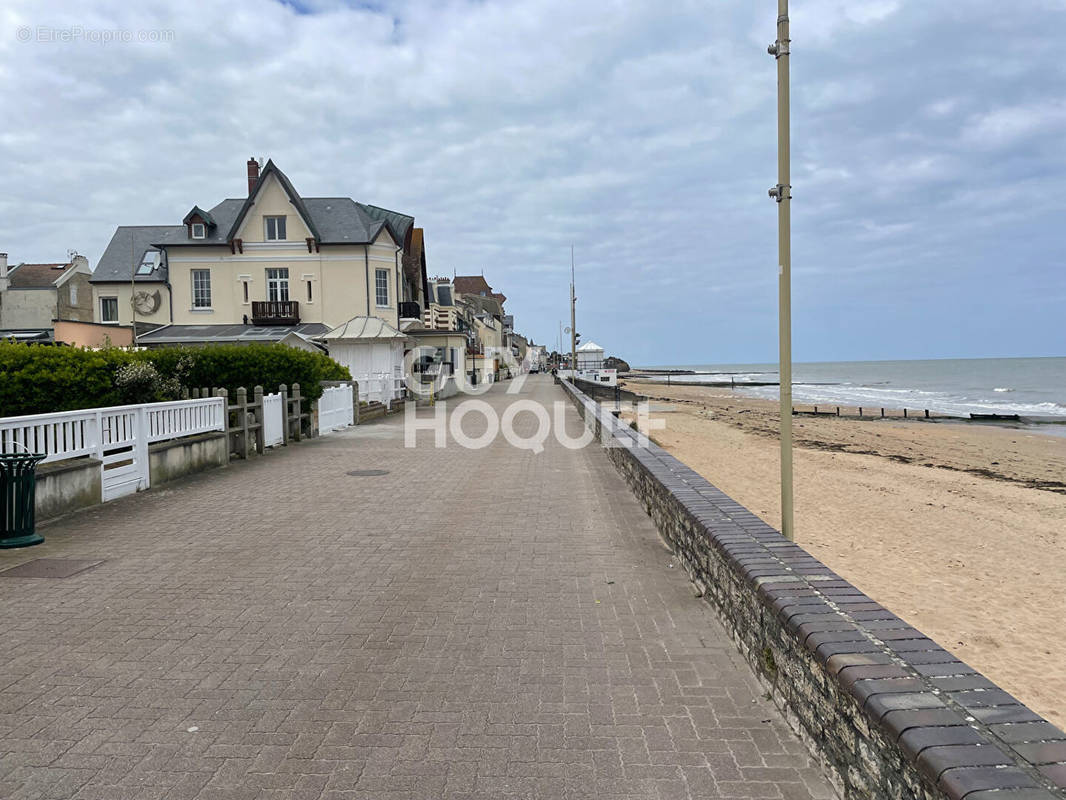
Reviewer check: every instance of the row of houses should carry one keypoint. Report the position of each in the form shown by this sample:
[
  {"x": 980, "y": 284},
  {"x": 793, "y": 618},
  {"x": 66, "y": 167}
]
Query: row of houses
[{"x": 325, "y": 273}]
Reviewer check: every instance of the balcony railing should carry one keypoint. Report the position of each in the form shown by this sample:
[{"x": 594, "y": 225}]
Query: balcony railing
[
  {"x": 410, "y": 310},
  {"x": 275, "y": 312}
]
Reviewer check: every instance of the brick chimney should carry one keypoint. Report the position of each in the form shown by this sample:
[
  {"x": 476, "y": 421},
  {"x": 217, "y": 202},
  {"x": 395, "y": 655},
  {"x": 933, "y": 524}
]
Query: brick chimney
[{"x": 253, "y": 174}]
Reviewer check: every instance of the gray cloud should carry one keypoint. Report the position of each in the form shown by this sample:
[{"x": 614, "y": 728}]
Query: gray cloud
[{"x": 928, "y": 158}]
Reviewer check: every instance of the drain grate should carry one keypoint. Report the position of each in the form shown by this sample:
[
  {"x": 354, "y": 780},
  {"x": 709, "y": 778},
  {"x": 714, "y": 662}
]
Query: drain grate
[
  {"x": 366, "y": 473},
  {"x": 51, "y": 568}
]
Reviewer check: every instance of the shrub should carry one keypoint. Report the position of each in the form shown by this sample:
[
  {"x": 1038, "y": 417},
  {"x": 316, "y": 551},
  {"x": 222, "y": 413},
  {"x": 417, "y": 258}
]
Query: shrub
[
  {"x": 38, "y": 379},
  {"x": 248, "y": 365}
]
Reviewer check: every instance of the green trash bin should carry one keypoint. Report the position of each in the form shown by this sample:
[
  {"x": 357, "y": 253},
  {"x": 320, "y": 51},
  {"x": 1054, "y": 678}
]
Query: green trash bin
[{"x": 18, "y": 498}]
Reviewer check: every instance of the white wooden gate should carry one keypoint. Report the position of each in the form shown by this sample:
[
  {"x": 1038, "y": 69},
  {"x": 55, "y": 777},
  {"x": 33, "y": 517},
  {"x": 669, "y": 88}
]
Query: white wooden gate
[
  {"x": 273, "y": 420},
  {"x": 123, "y": 450},
  {"x": 335, "y": 408}
]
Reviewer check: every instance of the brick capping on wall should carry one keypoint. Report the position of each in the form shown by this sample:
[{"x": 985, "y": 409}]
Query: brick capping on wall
[{"x": 889, "y": 712}]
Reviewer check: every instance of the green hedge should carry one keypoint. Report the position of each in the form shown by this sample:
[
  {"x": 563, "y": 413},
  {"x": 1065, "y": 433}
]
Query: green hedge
[{"x": 38, "y": 379}]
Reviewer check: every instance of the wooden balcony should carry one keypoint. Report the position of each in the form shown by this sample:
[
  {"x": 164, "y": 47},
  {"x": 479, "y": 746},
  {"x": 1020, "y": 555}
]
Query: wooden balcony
[{"x": 275, "y": 312}]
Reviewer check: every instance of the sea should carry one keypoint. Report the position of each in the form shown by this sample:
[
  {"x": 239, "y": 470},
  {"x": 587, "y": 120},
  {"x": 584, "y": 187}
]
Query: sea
[{"x": 1034, "y": 388}]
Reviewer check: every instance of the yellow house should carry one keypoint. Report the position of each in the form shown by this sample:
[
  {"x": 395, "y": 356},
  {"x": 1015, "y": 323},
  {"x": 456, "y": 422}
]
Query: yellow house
[{"x": 257, "y": 268}]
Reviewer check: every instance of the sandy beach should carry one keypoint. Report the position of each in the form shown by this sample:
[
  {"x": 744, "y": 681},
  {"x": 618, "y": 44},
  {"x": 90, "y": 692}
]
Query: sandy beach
[{"x": 959, "y": 528}]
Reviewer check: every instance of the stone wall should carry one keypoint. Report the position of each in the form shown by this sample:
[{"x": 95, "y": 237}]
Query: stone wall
[
  {"x": 889, "y": 712},
  {"x": 176, "y": 458},
  {"x": 27, "y": 308},
  {"x": 65, "y": 486}
]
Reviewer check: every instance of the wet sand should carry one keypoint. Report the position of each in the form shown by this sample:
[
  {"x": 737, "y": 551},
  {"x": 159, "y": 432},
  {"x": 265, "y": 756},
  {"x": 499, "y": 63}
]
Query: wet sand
[{"x": 959, "y": 528}]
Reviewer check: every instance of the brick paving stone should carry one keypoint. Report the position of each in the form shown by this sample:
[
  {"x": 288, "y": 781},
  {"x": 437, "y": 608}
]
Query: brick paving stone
[{"x": 473, "y": 624}]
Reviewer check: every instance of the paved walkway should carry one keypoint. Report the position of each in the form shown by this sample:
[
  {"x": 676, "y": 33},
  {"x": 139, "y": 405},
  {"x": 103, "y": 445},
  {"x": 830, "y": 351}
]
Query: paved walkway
[{"x": 474, "y": 624}]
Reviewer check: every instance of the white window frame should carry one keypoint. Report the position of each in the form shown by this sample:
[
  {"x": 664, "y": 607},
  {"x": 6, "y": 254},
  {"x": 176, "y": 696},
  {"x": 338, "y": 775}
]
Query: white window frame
[
  {"x": 246, "y": 289},
  {"x": 277, "y": 284},
  {"x": 103, "y": 316},
  {"x": 201, "y": 292},
  {"x": 266, "y": 228},
  {"x": 380, "y": 287},
  {"x": 199, "y": 230},
  {"x": 309, "y": 287}
]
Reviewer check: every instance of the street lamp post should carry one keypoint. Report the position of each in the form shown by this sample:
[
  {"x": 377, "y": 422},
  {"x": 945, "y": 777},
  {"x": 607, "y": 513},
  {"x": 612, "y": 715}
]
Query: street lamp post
[
  {"x": 783, "y": 194},
  {"x": 573, "y": 321}
]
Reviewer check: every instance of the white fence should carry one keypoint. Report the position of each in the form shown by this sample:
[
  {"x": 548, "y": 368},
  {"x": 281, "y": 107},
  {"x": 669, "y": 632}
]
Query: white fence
[
  {"x": 119, "y": 436},
  {"x": 380, "y": 387},
  {"x": 335, "y": 409},
  {"x": 273, "y": 420}
]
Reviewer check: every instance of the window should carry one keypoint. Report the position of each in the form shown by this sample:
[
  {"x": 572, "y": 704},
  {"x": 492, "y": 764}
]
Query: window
[
  {"x": 149, "y": 261},
  {"x": 275, "y": 228},
  {"x": 109, "y": 309},
  {"x": 278, "y": 284},
  {"x": 381, "y": 285},
  {"x": 244, "y": 290},
  {"x": 199, "y": 230},
  {"x": 73, "y": 293},
  {"x": 201, "y": 288},
  {"x": 309, "y": 297}
]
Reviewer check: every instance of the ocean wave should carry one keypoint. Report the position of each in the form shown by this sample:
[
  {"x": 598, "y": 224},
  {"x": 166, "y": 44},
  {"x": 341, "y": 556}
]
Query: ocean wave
[
  {"x": 937, "y": 402},
  {"x": 1003, "y": 389}
]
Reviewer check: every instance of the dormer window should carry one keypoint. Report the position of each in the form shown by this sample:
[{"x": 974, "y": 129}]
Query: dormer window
[
  {"x": 275, "y": 229},
  {"x": 199, "y": 230}
]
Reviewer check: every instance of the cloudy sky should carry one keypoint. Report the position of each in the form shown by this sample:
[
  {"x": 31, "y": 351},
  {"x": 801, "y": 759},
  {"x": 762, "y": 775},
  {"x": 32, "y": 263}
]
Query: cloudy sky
[{"x": 929, "y": 154}]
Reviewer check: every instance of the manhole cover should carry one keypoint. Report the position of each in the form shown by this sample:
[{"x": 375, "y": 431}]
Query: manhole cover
[
  {"x": 51, "y": 568},
  {"x": 366, "y": 473}
]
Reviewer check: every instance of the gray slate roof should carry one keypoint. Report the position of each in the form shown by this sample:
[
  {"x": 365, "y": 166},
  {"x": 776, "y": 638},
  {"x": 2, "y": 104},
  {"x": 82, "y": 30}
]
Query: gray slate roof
[
  {"x": 126, "y": 249},
  {"x": 241, "y": 334},
  {"x": 333, "y": 220}
]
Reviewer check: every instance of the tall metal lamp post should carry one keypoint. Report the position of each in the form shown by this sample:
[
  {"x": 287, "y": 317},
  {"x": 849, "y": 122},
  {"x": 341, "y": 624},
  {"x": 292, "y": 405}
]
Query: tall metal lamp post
[
  {"x": 573, "y": 321},
  {"x": 783, "y": 194}
]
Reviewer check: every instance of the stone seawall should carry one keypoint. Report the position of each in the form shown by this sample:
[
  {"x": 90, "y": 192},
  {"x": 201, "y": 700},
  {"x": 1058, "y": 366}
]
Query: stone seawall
[{"x": 889, "y": 712}]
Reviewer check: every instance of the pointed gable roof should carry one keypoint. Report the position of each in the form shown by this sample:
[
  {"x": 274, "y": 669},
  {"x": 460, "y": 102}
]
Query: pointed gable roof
[
  {"x": 37, "y": 276},
  {"x": 286, "y": 185},
  {"x": 399, "y": 225},
  {"x": 198, "y": 212},
  {"x": 472, "y": 284}
]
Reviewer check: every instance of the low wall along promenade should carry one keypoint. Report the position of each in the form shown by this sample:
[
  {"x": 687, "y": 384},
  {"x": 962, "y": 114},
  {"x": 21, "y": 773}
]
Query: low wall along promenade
[{"x": 889, "y": 712}]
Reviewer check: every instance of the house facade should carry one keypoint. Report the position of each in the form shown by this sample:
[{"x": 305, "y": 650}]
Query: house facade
[
  {"x": 34, "y": 296},
  {"x": 257, "y": 268}
]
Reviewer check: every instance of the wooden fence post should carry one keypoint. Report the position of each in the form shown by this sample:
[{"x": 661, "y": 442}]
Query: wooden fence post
[
  {"x": 283, "y": 390},
  {"x": 355, "y": 402},
  {"x": 225, "y": 416},
  {"x": 260, "y": 418},
  {"x": 242, "y": 420},
  {"x": 299, "y": 411}
]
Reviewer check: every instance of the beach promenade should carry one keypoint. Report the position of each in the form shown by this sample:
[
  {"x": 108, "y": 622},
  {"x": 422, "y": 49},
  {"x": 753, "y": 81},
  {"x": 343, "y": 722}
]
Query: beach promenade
[{"x": 472, "y": 624}]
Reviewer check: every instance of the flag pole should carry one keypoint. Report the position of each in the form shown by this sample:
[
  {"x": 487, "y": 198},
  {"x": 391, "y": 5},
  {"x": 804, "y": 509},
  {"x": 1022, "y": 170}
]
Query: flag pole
[{"x": 783, "y": 194}]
